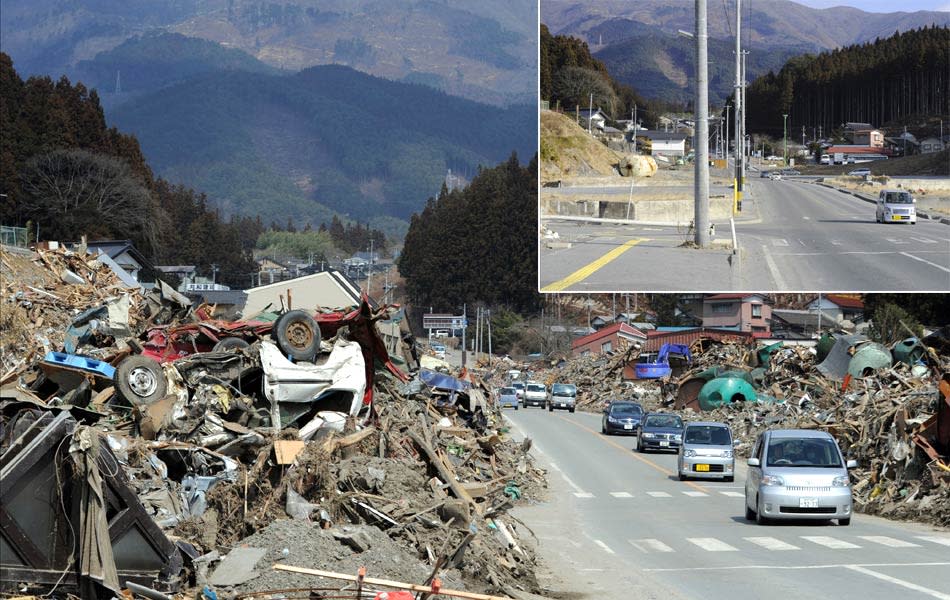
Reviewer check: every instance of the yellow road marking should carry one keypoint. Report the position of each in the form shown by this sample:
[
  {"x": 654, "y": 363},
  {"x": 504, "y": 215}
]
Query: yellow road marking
[
  {"x": 588, "y": 270},
  {"x": 636, "y": 456}
]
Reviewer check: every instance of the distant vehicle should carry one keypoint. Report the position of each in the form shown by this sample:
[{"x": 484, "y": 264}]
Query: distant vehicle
[
  {"x": 507, "y": 396},
  {"x": 839, "y": 158},
  {"x": 623, "y": 417},
  {"x": 441, "y": 333},
  {"x": 773, "y": 157},
  {"x": 439, "y": 350},
  {"x": 765, "y": 174},
  {"x": 790, "y": 172},
  {"x": 519, "y": 390},
  {"x": 563, "y": 395},
  {"x": 660, "y": 366},
  {"x": 798, "y": 474},
  {"x": 895, "y": 206},
  {"x": 535, "y": 394},
  {"x": 862, "y": 172},
  {"x": 707, "y": 452},
  {"x": 775, "y": 175},
  {"x": 824, "y": 160},
  {"x": 660, "y": 431}
]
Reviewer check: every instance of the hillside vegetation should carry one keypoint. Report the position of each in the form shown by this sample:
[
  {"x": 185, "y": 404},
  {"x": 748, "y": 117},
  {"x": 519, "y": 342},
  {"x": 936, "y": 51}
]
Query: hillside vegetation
[{"x": 567, "y": 151}]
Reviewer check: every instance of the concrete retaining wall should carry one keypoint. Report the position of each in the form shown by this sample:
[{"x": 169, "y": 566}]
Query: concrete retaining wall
[{"x": 654, "y": 211}]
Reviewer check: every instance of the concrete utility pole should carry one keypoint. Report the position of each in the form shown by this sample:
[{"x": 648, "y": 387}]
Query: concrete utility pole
[
  {"x": 737, "y": 182},
  {"x": 725, "y": 151},
  {"x": 785, "y": 137},
  {"x": 590, "y": 112},
  {"x": 464, "y": 327},
  {"x": 701, "y": 176}
]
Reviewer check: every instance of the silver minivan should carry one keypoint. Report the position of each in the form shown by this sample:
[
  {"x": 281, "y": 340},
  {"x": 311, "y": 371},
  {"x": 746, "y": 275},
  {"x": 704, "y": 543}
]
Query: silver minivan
[
  {"x": 895, "y": 206},
  {"x": 798, "y": 474},
  {"x": 707, "y": 452}
]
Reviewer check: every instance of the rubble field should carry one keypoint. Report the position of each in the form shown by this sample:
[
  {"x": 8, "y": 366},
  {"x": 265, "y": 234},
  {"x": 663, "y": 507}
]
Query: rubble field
[{"x": 148, "y": 450}]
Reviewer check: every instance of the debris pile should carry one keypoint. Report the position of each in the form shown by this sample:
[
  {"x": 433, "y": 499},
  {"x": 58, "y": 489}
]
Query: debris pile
[{"x": 173, "y": 453}]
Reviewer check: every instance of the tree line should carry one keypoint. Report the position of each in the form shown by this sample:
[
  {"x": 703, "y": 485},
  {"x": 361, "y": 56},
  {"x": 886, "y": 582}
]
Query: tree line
[
  {"x": 876, "y": 82},
  {"x": 478, "y": 244}
]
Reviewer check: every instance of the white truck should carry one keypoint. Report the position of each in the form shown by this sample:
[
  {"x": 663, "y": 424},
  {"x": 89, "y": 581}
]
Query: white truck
[
  {"x": 563, "y": 395},
  {"x": 535, "y": 394}
]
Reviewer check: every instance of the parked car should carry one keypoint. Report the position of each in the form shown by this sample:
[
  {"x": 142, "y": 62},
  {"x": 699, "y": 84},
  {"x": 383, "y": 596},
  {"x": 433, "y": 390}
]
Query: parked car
[
  {"x": 439, "y": 350},
  {"x": 798, "y": 474},
  {"x": 775, "y": 175},
  {"x": 562, "y": 395},
  {"x": 507, "y": 396},
  {"x": 535, "y": 394},
  {"x": 707, "y": 452},
  {"x": 660, "y": 431},
  {"x": 825, "y": 159},
  {"x": 764, "y": 174},
  {"x": 787, "y": 172},
  {"x": 895, "y": 206},
  {"x": 621, "y": 417},
  {"x": 862, "y": 172}
]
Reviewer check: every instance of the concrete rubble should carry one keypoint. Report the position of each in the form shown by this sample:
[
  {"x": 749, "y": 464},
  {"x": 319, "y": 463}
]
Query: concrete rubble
[
  {"x": 889, "y": 408},
  {"x": 193, "y": 473}
]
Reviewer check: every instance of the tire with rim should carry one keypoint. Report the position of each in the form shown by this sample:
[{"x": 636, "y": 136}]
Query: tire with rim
[
  {"x": 749, "y": 513},
  {"x": 759, "y": 517},
  {"x": 140, "y": 380},
  {"x": 297, "y": 335},
  {"x": 230, "y": 343}
]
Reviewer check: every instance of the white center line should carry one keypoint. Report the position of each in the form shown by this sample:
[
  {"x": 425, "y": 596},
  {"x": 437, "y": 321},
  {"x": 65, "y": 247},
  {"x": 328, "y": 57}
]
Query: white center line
[
  {"x": 696, "y": 494},
  {"x": 829, "y": 542},
  {"x": 659, "y": 494},
  {"x": 889, "y": 541},
  {"x": 577, "y": 490},
  {"x": 733, "y": 494},
  {"x": 901, "y": 582},
  {"x": 621, "y": 494},
  {"x": 771, "y": 543},
  {"x": 935, "y": 539},
  {"x": 942, "y": 268},
  {"x": 648, "y": 545},
  {"x": 773, "y": 268},
  {"x": 604, "y": 546},
  {"x": 712, "y": 544}
]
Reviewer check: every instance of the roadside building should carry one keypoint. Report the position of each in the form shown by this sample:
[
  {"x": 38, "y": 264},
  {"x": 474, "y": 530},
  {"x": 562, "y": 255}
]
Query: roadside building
[
  {"x": 839, "y": 307},
  {"x": 741, "y": 312},
  {"x": 668, "y": 144},
  {"x": 618, "y": 336}
]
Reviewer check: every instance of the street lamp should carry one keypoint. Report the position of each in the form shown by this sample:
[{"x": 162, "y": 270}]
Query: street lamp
[{"x": 785, "y": 136}]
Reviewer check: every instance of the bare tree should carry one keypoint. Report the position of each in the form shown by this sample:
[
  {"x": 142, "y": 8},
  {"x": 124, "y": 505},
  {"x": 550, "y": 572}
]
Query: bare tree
[
  {"x": 76, "y": 192},
  {"x": 574, "y": 85}
]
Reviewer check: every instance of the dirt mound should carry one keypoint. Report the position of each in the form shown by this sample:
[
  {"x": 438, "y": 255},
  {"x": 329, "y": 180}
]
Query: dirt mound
[{"x": 567, "y": 151}]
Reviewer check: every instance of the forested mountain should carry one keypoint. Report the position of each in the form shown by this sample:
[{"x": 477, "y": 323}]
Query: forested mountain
[
  {"x": 886, "y": 80},
  {"x": 479, "y": 244},
  {"x": 480, "y": 50},
  {"x": 325, "y": 139},
  {"x": 62, "y": 169}
]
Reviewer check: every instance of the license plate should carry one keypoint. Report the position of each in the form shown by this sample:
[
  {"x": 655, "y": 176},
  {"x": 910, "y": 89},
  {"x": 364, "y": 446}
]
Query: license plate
[
  {"x": 702, "y": 468},
  {"x": 808, "y": 502},
  {"x": 627, "y": 426},
  {"x": 664, "y": 444},
  {"x": 898, "y": 218}
]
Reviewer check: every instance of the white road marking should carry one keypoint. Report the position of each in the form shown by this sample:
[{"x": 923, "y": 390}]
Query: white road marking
[
  {"x": 773, "y": 269},
  {"x": 836, "y": 242},
  {"x": 696, "y": 494},
  {"x": 807, "y": 218},
  {"x": 942, "y": 268},
  {"x": 733, "y": 494},
  {"x": 604, "y": 546},
  {"x": 648, "y": 545},
  {"x": 621, "y": 494},
  {"x": 659, "y": 494},
  {"x": 771, "y": 543},
  {"x": 924, "y": 240},
  {"x": 780, "y": 242},
  {"x": 829, "y": 542},
  {"x": 712, "y": 545},
  {"x": 794, "y": 567},
  {"x": 577, "y": 490},
  {"x": 935, "y": 539},
  {"x": 583, "y": 494},
  {"x": 907, "y": 584},
  {"x": 896, "y": 240},
  {"x": 889, "y": 541}
]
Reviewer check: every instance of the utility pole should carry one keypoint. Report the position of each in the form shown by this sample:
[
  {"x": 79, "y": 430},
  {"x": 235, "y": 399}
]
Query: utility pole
[
  {"x": 737, "y": 182},
  {"x": 636, "y": 129},
  {"x": 489, "y": 338},
  {"x": 701, "y": 176},
  {"x": 464, "y": 327},
  {"x": 590, "y": 113},
  {"x": 725, "y": 152},
  {"x": 785, "y": 137},
  {"x": 214, "y": 273}
]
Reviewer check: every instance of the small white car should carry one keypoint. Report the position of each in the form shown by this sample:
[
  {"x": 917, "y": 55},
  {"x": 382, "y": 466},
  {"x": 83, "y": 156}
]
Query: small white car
[
  {"x": 862, "y": 172},
  {"x": 895, "y": 206}
]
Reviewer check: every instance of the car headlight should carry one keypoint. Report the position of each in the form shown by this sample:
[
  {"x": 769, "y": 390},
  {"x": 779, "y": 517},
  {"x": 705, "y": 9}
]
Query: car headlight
[
  {"x": 689, "y": 453},
  {"x": 612, "y": 420},
  {"x": 772, "y": 480},
  {"x": 841, "y": 481},
  {"x": 677, "y": 437},
  {"x": 647, "y": 434},
  {"x": 727, "y": 453}
]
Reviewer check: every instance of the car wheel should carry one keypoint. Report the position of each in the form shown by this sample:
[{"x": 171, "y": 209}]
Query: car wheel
[
  {"x": 844, "y": 522},
  {"x": 639, "y": 445},
  {"x": 571, "y": 409},
  {"x": 297, "y": 335},
  {"x": 603, "y": 429},
  {"x": 749, "y": 513},
  {"x": 681, "y": 476},
  {"x": 550, "y": 409},
  {"x": 229, "y": 344},
  {"x": 759, "y": 517},
  {"x": 140, "y": 380},
  {"x": 516, "y": 407},
  {"x": 729, "y": 478}
]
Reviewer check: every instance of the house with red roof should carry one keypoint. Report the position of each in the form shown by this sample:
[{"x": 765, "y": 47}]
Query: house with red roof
[
  {"x": 839, "y": 307},
  {"x": 618, "y": 336}
]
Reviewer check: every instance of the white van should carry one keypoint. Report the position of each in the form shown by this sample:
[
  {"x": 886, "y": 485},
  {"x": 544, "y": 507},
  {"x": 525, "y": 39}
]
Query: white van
[{"x": 895, "y": 206}]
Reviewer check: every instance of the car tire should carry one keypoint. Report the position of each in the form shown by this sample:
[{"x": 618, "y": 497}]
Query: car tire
[
  {"x": 729, "y": 478},
  {"x": 571, "y": 409},
  {"x": 550, "y": 409},
  {"x": 603, "y": 429},
  {"x": 749, "y": 513},
  {"x": 230, "y": 343},
  {"x": 297, "y": 335},
  {"x": 140, "y": 380},
  {"x": 844, "y": 522},
  {"x": 516, "y": 407},
  {"x": 759, "y": 517},
  {"x": 681, "y": 476},
  {"x": 639, "y": 445}
]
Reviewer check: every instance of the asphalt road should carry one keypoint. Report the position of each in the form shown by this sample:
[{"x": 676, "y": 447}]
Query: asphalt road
[
  {"x": 792, "y": 235},
  {"x": 618, "y": 524}
]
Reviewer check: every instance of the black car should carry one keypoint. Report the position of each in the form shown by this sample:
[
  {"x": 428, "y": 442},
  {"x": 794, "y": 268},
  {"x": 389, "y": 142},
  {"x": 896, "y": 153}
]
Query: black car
[
  {"x": 621, "y": 416},
  {"x": 660, "y": 431}
]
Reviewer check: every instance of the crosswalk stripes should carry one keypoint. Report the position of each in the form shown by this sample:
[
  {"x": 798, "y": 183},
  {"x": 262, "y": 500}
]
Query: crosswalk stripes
[
  {"x": 583, "y": 494},
  {"x": 945, "y": 540},
  {"x": 771, "y": 543},
  {"x": 924, "y": 240},
  {"x": 712, "y": 544},
  {"x": 696, "y": 494},
  {"x": 648, "y": 545},
  {"x": 829, "y": 542},
  {"x": 621, "y": 494},
  {"x": 774, "y": 544},
  {"x": 889, "y": 541},
  {"x": 733, "y": 494},
  {"x": 660, "y": 494}
]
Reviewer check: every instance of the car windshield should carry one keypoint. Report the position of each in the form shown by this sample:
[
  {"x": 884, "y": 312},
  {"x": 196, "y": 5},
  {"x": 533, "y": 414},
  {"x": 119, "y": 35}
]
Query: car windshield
[
  {"x": 507, "y": 391},
  {"x": 518, "y": 386},
  {"x": 534, "y": 387},
  {"x": 898, "y": 198},
  {"x": 563, "y": 389},
  {"x": 625, "y": 409},
  {"x": 671, "y": 421},
  {"x": 803, "y": 453},
  {"x": 712, "y": 435}
]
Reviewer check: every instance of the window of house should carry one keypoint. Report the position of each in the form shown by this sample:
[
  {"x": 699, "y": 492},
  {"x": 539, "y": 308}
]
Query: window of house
[
  {"x": 722, "y": 308},
  {"x": 606, "y": 347},
  {"x": 585, "y": 353},
  {"x": 757, "y": 310}
]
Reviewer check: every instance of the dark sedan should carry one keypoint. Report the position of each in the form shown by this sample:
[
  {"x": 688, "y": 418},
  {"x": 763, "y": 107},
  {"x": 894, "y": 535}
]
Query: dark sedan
[
  {"x": 621, "y": 417},
  {"x": 660, "y": 431}
]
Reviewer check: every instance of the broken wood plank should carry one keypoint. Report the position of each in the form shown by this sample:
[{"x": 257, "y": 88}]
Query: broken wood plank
[
  {"x": 286, "y": 451},
  {"x": 444, "y": 470}
]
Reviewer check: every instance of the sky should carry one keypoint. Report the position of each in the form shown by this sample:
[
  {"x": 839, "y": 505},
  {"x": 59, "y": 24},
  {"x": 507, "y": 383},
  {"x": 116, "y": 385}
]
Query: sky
[{"x": 882, "y": 5}]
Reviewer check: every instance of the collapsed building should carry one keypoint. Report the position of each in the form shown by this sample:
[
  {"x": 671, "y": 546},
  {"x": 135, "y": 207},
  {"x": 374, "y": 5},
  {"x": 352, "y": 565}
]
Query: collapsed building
[{"x": 147, "y": 449}]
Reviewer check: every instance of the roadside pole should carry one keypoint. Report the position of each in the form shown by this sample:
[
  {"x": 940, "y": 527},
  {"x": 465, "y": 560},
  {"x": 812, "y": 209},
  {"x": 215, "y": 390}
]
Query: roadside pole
[
  {"x": 737, "y": 182},
  {"x": 701, "y": 139}
]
